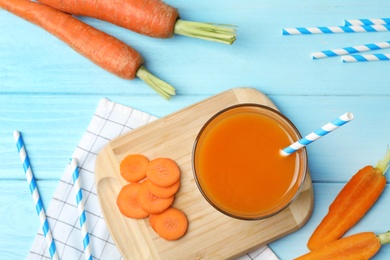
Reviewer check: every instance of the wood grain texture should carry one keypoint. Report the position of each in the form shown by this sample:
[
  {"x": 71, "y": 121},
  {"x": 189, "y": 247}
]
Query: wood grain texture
[
  {"x": 19, "y": 220},
  {"x": 211, "y": 234},
  {"x": 49, "y": 92},
  {"x": 324, "y": 195},
  {"x": 261, "y": 57}
]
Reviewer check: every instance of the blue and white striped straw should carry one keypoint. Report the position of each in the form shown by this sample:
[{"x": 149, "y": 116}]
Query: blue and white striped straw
[
  {"x": 326, "y": 129},
  {"x": 366, "y": 57},
  {"x": 35, "y": 195},
  {"x": 351, "y": 50},
  {"x": 337, "y": 29},
  {"x": 81, "y": 210},
  {"x": 370, "y": 21}
]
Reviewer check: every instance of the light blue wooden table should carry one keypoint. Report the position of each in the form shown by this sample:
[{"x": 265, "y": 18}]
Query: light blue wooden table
[{"x": 49, "y": 93}]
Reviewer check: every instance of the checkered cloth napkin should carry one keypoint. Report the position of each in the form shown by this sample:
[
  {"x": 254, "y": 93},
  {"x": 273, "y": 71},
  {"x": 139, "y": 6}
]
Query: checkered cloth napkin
[{"x": 109, "y": 121}]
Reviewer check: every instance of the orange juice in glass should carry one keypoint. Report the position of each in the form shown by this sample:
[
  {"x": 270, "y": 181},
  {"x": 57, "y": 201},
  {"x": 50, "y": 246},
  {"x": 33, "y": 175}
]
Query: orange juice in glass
[{"x": 237, "y": 165}]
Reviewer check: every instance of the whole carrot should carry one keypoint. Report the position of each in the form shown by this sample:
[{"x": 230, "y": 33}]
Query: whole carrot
[
  {"x": 149, "y": 17},
  {"x": 104, "y": 50},
  {"x": 351, "y": 204},
  {"x": 361, "y": 246}
]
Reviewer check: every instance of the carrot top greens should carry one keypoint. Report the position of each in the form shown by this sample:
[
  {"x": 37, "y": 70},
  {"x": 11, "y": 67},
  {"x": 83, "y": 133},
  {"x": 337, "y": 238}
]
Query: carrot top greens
[
  {"x": 383, "y": 164},
  {"x": 206, "y": 31},
  {"x": 384, "y": 238},
  {"x": 161, "y": 87}
]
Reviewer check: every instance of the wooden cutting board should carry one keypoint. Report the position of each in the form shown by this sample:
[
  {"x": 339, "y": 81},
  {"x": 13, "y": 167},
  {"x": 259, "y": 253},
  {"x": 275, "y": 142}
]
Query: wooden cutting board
[{"x": 211, "y": 235}]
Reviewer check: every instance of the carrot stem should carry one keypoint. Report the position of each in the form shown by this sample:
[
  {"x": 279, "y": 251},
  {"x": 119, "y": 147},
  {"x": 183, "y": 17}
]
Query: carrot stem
[
  {"x": 384, "y": 238},
  {"x": 383, "y": 164},
  {"x": 206, "y": 31},
  {"x": 164, "y": 89}
]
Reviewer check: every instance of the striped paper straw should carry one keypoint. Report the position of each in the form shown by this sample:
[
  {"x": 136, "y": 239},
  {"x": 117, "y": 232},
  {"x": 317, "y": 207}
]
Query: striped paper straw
[
  {"x": 351, "y": 50},
  {"x": 366, "y": 57},
  {"x": 326, "y": 129},
  {"x": 81, "y": 210},
  {"x": 337, "y": 29},
  {"x": 371, "y": 21},
  {"x": 35, "y": 194}
]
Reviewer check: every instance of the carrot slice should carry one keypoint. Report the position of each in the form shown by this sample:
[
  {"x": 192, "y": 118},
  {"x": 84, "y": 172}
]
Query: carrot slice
[
  {"x": 171, "y": 224},
  {"x": 150, "y": 202},
  {"x": 127, "y": 201},
  {"x": 163, "y": 172},
  {"x": 133, "y": 167},
  {"x": 163, "y": 192},
  {"x": 152, "y": 220}
]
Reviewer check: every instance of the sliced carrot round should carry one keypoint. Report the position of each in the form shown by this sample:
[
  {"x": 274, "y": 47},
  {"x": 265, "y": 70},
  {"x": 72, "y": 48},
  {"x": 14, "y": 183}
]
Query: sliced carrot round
[
  {"x": 152, "y": 220},
  {"x": 150, "y": 202},
  {"x": 127, "y": 201},
  {"x": 171, "y": 224},
  {"x": 163, "y": 172},
  {"x": 133, "y": 167},
  {"x": 163, "y": 192}
]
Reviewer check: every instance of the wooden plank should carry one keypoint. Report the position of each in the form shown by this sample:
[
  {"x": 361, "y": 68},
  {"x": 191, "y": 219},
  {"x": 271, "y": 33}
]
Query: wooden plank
[
  {"x": 32, "y": 60},
  {"x": 211, "y": 234},
  {"x": 294, "y": 245},
  {"x": 50, "y": 92},
  {"x": 19, "y": 220},
  {"x": 46, "y": 119}
]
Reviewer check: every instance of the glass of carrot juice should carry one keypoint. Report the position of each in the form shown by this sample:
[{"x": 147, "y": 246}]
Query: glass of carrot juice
[{"x": 237, "y": 165}]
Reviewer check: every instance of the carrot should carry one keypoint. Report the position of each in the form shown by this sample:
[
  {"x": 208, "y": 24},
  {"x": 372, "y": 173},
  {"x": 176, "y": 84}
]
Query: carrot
[
  {"x": 149, "y": 17},
  {"x": 362, "y": 246},
  {"x": 127, "y": 201},
  {"x": 351, "y": 204},
  {"x": 104, "y": 50},
  {"x": 151, "y": 203},
  {"x": 164, "y": 192},
  {"x": 163, "y": 172},
  {"x": 171, "y": 224},
  {"x": 146, "y": 199},
  {"x": 133, "y": 167},
  {"x": 152, "y": 220}
]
